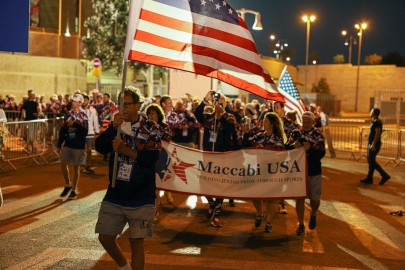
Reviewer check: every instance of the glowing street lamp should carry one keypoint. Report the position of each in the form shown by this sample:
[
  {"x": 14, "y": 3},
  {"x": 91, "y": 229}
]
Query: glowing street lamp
[
  {"x": 280, "y": 44},
  {"x": 307, "y": 19},
  {"x": 350, "y": 41},
  {"x": 359, "y": 27},
  {"x": 257, "y": 25}
]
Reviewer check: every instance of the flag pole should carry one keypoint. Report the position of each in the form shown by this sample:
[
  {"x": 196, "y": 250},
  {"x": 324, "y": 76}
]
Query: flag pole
[{"x": 121, "y": 106}]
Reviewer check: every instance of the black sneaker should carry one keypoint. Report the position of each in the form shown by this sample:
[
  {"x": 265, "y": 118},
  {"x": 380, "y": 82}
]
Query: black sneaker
[
  {"x": 72, "y": 195},
  {"x": 384, "y": 180},
  {"x": 367, "y": 181},
  {"x": 258, "y": 221},
  {"x": 312, "y": 223},
  {"x": 300, "y": 230},
  {"x": 65, "y": 191},
  {"x": 268, "y": 227}
]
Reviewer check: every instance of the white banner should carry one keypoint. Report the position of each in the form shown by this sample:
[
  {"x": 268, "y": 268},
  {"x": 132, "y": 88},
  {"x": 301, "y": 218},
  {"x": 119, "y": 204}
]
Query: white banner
[{"x": 243, "y": 174}]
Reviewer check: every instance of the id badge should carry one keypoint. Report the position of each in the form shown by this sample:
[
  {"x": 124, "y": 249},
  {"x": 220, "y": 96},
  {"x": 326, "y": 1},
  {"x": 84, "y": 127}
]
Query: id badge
[
  {"x": 185, "y": 132},
  {"x": 213, "y": 137},
  {"x": 124, "y": 171}
]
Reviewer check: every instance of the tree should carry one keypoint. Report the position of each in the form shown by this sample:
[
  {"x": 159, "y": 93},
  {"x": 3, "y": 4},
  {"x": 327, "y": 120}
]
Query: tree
[
  {"x": 107, "y": 28},
  {"x": 322, "y": 87},
  {"x": 339, "y": 59},
  {"x": 373, "y": 59},
  {"x": 393, "y": 58}
]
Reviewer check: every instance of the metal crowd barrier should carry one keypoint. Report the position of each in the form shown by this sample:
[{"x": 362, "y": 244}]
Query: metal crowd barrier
[
  {"x": 25, "y": 140},
  {"x": 390, "y": 144},
  {"x": 401, "y": 147},
  {"x": 346, "y": 139}
]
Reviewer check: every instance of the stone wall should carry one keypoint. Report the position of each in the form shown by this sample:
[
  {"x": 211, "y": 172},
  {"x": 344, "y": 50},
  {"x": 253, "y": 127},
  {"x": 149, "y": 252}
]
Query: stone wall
[
  {"x": 44, "y": 75},
  {"x": 342, "y": 80}
]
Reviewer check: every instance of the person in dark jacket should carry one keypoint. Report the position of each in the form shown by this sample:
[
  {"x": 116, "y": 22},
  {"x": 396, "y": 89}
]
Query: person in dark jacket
[
  {"x": 132, "y": 200},
  {"x": 71, "y": 145},
  {"x": 219, "y": 136},
  {"x": 312, "y": 140}
]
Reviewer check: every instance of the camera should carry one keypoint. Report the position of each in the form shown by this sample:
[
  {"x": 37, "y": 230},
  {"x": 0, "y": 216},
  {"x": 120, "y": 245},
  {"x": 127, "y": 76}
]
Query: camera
[{"x": 216, "y": 96}]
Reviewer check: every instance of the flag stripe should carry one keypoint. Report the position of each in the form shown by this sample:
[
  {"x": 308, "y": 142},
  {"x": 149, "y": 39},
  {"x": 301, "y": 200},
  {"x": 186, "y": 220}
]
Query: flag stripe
[
  {"x": 189, "y": 27},
  {"x": 207, "y": 71},
  {"x": 291, "y": 95},
  {"x": 200, "y": 37},
  {"x": 230, "y": 59}
]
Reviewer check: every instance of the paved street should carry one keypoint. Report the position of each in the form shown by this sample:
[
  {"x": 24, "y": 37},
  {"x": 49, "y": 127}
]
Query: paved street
[{"x": 38, "y": 230}]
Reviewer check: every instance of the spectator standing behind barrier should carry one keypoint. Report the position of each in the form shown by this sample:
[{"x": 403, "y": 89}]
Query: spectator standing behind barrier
[
  {"x": 272, "y": 138},
  {"x": 94, "y": 130},
  {"x": 313, "y": 142},
  {"x": 132, "y": 200},
  {"x": 30, "y": 111},
  {"x": 71, "y": 145},
  {"x": 373, "y": 147},
  {"x": 219, "y": 136}
]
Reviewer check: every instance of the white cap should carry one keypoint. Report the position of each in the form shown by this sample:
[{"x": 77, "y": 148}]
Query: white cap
[{"x": 77, "y": 97}]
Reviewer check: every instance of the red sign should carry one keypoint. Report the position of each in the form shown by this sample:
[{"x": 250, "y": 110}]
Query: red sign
[{"x": 96, "y": 63}]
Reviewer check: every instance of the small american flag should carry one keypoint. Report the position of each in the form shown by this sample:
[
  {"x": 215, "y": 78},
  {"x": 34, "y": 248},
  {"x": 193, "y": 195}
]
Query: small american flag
[
  {"x": 293, "y": 100},
  {"x": 205, "y": 37}
]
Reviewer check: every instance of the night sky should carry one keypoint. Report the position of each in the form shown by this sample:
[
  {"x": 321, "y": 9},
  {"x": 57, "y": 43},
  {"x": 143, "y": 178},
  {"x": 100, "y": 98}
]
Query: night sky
[{"x": 385, "y": 32}]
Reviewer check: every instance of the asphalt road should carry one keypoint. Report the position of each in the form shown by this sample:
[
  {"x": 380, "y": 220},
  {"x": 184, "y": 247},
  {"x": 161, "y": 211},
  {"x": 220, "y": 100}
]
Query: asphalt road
[{"x": 38, "y": 230}]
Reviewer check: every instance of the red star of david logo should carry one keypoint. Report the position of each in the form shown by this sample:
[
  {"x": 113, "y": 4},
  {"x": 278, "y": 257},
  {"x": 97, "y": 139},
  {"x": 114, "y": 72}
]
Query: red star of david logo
[{"x": 180, "y": 166}]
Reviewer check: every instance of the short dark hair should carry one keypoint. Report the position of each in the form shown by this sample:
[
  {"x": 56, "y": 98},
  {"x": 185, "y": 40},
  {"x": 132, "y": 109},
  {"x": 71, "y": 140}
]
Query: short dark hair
[
  {"x": 376, "y": 112},
  {"x": 164, "y": 98},
  {"x": 159, "y": 111},
  {"x": 279, "y": 102}
]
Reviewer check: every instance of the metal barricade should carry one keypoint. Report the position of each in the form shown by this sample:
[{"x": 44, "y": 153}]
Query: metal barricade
[
  {"x": 52, "y": 137},
  {"x": 26, "y": 140},
  {"x": 346, "y": 139},
  {"x": 389, "y": 147},
  {"x": 12, "y": 116},
  {"x": 401, "y": 147}
]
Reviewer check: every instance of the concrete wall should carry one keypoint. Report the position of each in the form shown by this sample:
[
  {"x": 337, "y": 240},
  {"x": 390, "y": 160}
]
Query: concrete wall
[
  {"x": 342, "y": 80},
  {"x": 44, "y": 75}
]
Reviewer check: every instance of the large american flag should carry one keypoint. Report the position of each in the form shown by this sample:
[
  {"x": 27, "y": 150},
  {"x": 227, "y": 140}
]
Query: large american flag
[
  {"x": 205, "y": 37},
  {"x": 293, "y": 100}
]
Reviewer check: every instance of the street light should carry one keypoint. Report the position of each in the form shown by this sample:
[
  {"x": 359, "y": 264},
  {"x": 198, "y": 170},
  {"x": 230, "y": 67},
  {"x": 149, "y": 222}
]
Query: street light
[
  {"x": 257, "y": 25},
  {"x": 359, "y": 27},
  {"x": 308, "y": 20},
  {"x": 280, "y": 44},
  {"x": 350, "y": 41}
]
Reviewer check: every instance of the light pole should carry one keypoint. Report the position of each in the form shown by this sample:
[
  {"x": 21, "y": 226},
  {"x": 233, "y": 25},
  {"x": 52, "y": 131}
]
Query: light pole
[
  {"x": 308, "y": 20},
  {"x": 257, "y": 25},
  {"x": 280, "y": 44},
  {"x": 359, "y": 27},
  {"x": 350, "y": 41}
]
